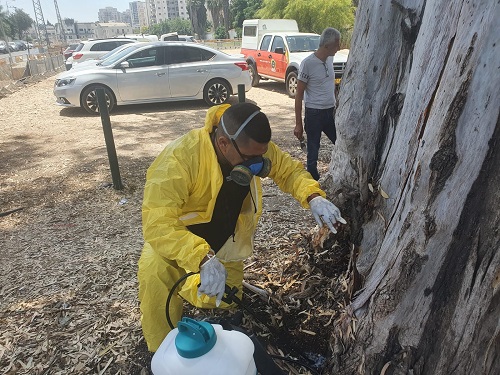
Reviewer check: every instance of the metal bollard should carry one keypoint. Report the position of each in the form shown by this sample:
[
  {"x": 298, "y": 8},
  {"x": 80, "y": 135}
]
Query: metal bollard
[
  {"x": 241, "y": 93},
  {"x": 108, "y": 137}
]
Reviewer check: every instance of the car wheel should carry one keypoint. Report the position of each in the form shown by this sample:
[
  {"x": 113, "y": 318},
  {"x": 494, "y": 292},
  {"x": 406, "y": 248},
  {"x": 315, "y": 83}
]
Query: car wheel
[
  {"x": 216, "y": 92},
  {"x": 253, "y": 74},
  {"x": 291, "y": 84},
  {"x": 89, "y": 99}
]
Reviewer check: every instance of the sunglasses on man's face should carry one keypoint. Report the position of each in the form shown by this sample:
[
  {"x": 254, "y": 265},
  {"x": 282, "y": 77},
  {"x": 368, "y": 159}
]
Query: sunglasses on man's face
[{"x": 243, "y": 156}]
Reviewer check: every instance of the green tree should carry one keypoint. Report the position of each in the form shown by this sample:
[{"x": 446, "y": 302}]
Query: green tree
[
  {"x": 20, "y": 22},
  {"x": 220, "y": 33},
  {"x": 275, "y": 8},
  {"x": 181, "y": 26},
  {"x": 312, "y": 15},
  {"x": 178, "y": 25},
  {"x": 5, "y": 26},
  {"x": 244, "y": 10}
]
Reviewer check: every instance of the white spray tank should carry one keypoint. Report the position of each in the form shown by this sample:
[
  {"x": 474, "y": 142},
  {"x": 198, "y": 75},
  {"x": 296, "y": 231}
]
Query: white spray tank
[{"x": 195, "y": 348}]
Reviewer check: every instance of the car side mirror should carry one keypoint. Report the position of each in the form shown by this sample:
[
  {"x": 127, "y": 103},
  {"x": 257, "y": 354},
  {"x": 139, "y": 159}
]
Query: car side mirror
[
  {"x": 124, "y": 65},
  {"x": 279, "y": 50}
]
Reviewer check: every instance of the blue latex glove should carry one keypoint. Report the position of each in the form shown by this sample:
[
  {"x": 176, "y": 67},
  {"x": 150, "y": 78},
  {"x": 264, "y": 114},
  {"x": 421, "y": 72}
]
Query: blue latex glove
[
  {"x": 325, "y": 212},
  {"x": 213, "y": 276}
]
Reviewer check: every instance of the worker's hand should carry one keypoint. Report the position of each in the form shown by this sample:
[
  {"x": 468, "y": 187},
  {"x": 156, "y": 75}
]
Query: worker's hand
[
  {"x": 298, "y": 131},
  {"x": 213, "y": 276},
  {"x": 325, "y": 212}
]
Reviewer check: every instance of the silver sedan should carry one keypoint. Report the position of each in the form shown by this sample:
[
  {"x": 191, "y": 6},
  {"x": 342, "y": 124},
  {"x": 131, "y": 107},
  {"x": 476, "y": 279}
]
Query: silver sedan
[{"x": 155, "y": 72}]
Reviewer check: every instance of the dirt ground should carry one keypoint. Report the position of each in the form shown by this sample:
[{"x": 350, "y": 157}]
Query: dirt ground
[{"x": 68, "y": 286}]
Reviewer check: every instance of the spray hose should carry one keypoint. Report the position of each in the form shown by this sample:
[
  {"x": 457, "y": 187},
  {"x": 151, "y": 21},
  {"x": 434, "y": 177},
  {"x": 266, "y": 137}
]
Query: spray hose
[
  {"x": 171, "y": 293},
  {"x": 265, "y": 364}
]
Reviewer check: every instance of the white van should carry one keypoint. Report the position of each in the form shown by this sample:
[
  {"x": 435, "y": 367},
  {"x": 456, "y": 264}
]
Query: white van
[{"x": 254, "y": 29}]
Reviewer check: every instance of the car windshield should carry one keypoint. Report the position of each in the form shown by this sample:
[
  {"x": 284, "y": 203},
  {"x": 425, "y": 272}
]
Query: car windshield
[
  {"x": 112, "y": 52},
  {"x": 112, "y": 59},
  {"x": 79, "y": 47},
  {"x": 303, "y": 43}
]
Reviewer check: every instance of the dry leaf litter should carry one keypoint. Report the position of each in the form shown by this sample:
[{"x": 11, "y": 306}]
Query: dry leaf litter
[{"x": 70, "y": 245}]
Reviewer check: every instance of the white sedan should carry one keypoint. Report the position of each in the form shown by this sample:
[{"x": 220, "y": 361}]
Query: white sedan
[{"x": 155, "y": 72}]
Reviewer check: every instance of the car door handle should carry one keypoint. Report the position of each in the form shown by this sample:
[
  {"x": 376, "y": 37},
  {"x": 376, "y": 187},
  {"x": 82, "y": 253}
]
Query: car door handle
[
  {"x": 258, "y": 54},
  {"x": 202, "y": 70},
  {"x": 160, "y": 74},
  {"x": 270, "y": 56}
]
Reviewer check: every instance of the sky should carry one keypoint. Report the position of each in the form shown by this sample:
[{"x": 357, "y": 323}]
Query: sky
[{"x": 79, "y": 10}]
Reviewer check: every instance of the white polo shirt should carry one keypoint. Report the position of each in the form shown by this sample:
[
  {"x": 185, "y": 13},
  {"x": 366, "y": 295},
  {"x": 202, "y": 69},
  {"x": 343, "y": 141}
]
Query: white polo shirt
[{"x": 320, "y": 79}]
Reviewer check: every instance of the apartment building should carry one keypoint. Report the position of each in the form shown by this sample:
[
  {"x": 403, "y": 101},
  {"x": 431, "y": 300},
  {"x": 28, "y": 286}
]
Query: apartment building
[
  {"x": 113, "y": 29},
  {"x": 109, "y": 14},
  {"x": 138, "y": 14},
  {"x": 161, "y": 10}
]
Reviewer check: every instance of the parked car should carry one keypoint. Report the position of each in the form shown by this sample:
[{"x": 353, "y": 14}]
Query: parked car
[
  {"x": 4, "y": 47},
  {"x": 142, "y": 37},
  {"x": 155, "y": 72},
  {"x": 69, "y": 50},
  {"x": 21, "y": 46},
  {"x": 98, "y": 61},
  {"x": 94, "y": 48},
  {"x": 13, "y": 47},
  {"x": 174, "y": 37},
  {"x": 187, "y": 38}
]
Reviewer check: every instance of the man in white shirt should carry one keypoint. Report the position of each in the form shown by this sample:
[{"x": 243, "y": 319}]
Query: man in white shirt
[{"x": 316, "y": 87}]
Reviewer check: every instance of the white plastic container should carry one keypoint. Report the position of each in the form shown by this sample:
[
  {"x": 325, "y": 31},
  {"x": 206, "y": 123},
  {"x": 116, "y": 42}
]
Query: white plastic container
[{"x": 196, "y": 348}]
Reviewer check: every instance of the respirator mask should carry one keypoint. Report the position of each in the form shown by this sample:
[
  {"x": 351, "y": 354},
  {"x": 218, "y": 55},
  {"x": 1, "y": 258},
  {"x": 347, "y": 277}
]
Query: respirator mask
[{"x": 243, "y": 173}]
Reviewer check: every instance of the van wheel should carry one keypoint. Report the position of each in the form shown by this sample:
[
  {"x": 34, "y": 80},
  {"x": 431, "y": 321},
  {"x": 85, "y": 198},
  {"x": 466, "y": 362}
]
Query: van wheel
[
  {"x": 216, "y": 92},
  {"x": 89, "y": 99},
  {"x": 253, "y": 74},
  {"x": 291, "y": 84}
]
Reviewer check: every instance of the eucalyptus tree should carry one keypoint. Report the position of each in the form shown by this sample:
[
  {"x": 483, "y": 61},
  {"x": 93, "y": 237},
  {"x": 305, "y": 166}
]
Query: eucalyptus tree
[
  {"x": 215, "y": 8},
  {"x": 198, "y": 16},
  {"x": 416, "y": 169}
]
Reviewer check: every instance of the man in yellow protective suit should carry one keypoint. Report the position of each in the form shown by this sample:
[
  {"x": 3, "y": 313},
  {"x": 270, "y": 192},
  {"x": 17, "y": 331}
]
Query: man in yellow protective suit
[{"x": 202, "y": 202}]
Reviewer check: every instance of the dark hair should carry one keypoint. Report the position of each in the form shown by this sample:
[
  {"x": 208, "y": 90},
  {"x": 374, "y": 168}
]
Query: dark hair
[{"x": 257, "y": 129}]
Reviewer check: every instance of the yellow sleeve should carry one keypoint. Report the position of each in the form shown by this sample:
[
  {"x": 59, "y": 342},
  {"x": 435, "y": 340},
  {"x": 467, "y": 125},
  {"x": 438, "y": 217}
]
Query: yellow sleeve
[
  {"x": 291, "y": 177},
  {"x": 168, "y": 183}
]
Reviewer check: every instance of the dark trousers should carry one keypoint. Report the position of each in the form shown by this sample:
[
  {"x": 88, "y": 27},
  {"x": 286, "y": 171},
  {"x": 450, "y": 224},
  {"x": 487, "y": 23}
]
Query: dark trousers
[{"x": 315, "y": 122}]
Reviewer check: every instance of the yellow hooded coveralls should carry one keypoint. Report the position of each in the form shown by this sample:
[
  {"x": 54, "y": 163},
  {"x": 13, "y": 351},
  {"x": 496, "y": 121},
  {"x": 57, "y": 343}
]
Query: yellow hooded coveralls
[{"x": 181, "y": 189}]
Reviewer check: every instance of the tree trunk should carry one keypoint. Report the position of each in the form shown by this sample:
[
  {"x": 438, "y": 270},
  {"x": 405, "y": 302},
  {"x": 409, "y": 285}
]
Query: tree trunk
[
  {"x": 215, "y": 6},
  {"x": 227, "y": 16},
  {"x": 198, "y": 16},
  {"x": 417, "y": 171}
]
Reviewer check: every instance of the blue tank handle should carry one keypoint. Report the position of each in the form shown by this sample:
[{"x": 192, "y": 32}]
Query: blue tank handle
[{"x": 194, "y": 338}]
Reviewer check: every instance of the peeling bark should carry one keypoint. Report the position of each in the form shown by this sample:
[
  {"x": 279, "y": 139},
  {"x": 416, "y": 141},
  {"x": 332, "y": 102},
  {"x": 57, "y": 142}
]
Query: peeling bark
[{"x": 419, "y": 119}]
